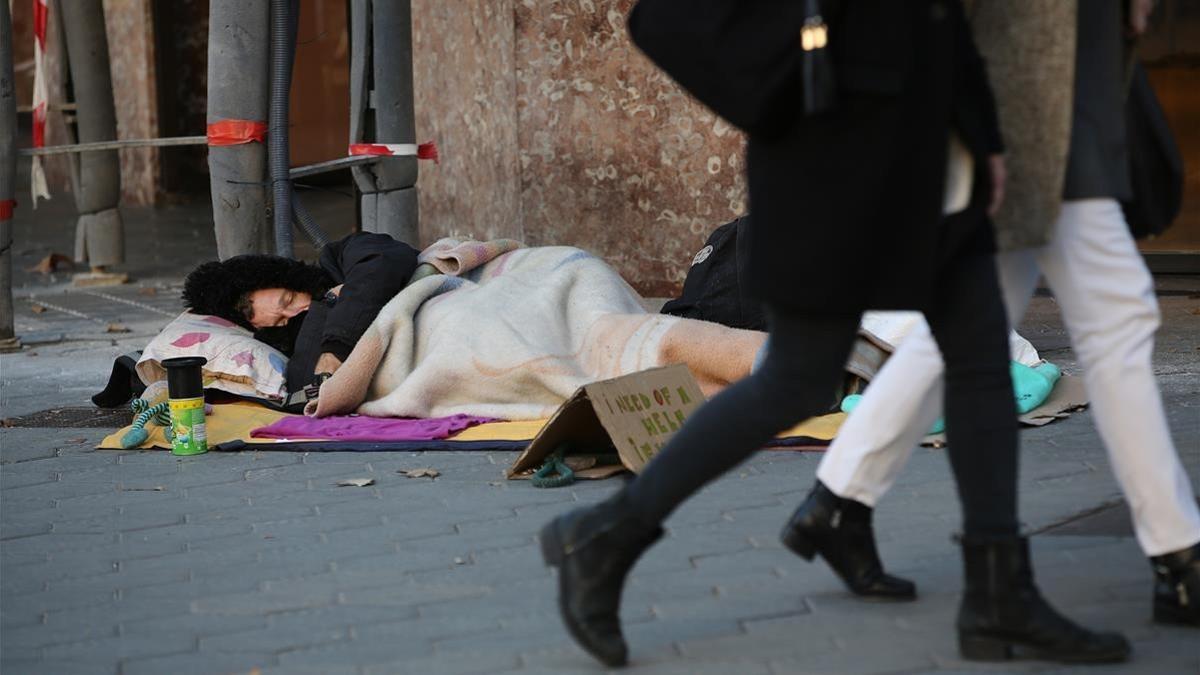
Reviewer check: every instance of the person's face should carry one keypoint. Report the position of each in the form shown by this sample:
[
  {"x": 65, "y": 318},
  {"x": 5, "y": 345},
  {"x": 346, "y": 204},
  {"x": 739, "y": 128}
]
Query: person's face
[{"x": 275, "y": 306}]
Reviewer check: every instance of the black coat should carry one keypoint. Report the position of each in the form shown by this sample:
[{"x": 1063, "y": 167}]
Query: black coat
[
  {"x": 847, "y": 205},
  {"x": 372, "y": 268}
]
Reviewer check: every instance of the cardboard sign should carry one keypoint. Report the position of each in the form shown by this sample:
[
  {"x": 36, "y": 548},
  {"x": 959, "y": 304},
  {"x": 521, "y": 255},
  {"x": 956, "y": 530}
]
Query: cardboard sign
[{"x": 634, "y": 413}]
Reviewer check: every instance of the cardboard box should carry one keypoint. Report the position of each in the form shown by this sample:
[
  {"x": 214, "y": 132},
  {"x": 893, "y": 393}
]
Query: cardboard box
[{"x": 633, "y": 415}]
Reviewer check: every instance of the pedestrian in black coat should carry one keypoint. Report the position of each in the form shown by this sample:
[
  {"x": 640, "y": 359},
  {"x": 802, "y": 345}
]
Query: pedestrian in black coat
[{"x": 849, "y": 211}]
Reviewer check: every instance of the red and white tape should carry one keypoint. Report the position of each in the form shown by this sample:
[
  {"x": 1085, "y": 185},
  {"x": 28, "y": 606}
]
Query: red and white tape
[
  {"x": 37, "y": 176},
  {"x": 422, "y": 151}
]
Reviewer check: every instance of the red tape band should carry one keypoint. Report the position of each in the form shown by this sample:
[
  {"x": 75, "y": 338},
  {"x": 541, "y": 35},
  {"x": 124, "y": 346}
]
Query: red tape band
[
  {"x": 40, "y": 12},
  {"x": 423, "y": 151},
  {"x": 6, "y": 208},
  {"x": 236, "y": 132}
]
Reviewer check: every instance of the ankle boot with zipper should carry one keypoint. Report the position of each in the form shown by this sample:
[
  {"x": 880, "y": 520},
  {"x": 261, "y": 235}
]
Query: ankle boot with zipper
[
  {"x": 594, "y": 548},
  {"x": 1003, "y": 615},
  {"x": 1177, "y": 587},
  {"x": 840, "y": 531}
]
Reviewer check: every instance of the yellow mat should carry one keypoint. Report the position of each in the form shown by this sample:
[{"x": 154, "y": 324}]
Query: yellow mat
[{"x": 234, "y": 422}]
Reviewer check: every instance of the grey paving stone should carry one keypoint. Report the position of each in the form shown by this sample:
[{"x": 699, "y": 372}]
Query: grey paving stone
[
  {"x": 264, "y": 601},
  {"x": 274, "y": 639},
  {"x": 361, "y": 653},
  {"x": 451, "y": 664},
  {"x": 13, "y": 450},
  {"x": 414, "y": 594},
  {"x": 197, "y": 625},
  {"x": 41, "y": 635},
  {"x": 120, "y": 647},
  {"x": 42, "y": 666},
  {"x": 205, "y": 663}
]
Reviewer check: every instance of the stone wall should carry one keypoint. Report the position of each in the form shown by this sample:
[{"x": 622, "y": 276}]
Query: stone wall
[{"x": 554, "y": 129}]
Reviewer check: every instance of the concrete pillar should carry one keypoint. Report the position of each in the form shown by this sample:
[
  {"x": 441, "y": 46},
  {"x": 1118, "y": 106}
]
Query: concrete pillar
[
  {"x": 99, "y": 234},
  {"x": 382, "y": 35},
  {"x": 238, "y": 47},
  {"x": 8, "y": 177}
]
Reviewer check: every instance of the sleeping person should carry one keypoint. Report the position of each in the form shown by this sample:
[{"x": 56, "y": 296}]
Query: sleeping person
[{"x": 315, "y": 314}]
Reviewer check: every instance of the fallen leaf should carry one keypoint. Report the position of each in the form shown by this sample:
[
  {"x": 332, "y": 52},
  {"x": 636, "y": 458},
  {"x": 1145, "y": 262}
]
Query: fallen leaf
[
  {"x": 156, "y": 488},
  {"x": 419, "y": 473},
  {"x": 76, "y": 440},
  {"x": 51, "y": 262},
  {"x": 30, "y": 353},
  {"x": 1196, "y": 311},
  {"x": 8, "y": 422},
  {"x": 118, "y": 328},
  {"x": 459, "y": 561},
  {"x": 355, "y": 482},
  {"x": 37, "y": 309},
  {"x": 147, "y": 290}
]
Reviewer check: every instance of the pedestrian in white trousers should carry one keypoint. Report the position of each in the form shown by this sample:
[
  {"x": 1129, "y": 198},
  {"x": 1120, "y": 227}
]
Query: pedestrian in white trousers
[{"x": 1106, "y": 296}]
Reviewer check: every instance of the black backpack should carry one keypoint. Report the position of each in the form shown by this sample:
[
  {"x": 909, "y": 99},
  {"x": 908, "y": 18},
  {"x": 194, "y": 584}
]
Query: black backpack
[{"x": 713, "y": 290}]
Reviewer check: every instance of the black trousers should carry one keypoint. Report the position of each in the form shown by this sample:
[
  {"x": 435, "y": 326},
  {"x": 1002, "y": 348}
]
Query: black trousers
[{"x": 804, "y": 363}]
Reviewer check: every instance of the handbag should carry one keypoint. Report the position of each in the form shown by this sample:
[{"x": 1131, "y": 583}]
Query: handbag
[
  {"x": 758, "y": 64},
  {"x": 1155, "y": 163}
]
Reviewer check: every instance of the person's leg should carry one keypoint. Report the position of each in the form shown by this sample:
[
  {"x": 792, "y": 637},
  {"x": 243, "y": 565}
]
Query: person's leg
[
  {"x": 594, "y": 547},
  {"x": 796, "y": 381},
  {"x": 1001, "y": 609},
  {"x": 904, "y": 400},
  {"x": 1108, "y": 304},
  {"x": 971, "y": 329},
  {"x": 873, "y": 445}
]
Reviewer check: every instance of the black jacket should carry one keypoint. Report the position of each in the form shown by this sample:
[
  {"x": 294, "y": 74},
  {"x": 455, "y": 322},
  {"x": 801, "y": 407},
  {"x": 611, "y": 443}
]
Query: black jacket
[
  {"x": 372, "y": 268},
  {"x": 847, "y": 205}
]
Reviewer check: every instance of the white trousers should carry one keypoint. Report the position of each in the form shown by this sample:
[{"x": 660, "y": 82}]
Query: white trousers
[{"x": 1107, "y": 300}]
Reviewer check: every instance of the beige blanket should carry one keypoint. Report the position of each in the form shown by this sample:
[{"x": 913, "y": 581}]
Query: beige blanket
[{"x": 511, "y": 332}]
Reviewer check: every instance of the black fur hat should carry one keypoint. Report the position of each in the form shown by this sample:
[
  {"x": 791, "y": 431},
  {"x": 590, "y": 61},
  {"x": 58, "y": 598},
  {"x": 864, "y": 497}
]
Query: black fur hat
[{"x": 222, "y": 288}]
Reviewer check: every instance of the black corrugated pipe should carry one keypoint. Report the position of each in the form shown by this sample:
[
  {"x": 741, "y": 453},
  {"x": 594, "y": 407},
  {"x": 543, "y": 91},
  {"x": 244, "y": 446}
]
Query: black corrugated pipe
[
  {"x": 305, "y": 220},
  {"x": 277, "y": 139},
  {"x": 285, "y": 19}
]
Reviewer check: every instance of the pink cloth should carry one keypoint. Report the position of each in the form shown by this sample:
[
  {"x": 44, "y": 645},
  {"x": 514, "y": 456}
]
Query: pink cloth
[{"x": 364, "y": 428}]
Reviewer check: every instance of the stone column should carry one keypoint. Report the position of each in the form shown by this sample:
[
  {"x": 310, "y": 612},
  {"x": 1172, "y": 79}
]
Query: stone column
[
  {"x": 99, "y": 234},
  {"x": 237, "y": 90}
]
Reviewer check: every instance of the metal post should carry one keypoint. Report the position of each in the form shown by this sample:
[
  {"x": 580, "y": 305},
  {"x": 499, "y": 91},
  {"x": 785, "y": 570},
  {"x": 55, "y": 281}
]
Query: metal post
[
  {"x": 237, "y": 90},
  {"x": 384, "y": 113},
  {"x": 8, "y": 178},
  {"x": 99, "y": 234}
]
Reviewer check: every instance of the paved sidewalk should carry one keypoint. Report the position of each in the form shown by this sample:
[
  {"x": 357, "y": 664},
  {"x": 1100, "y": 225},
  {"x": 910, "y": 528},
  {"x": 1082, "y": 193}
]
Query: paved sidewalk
[{"x": 143, "y": 562}]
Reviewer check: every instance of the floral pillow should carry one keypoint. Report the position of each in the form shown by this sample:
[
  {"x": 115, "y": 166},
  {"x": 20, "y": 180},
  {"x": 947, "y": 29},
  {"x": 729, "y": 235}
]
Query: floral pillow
[{"x": 237, "y": 363}]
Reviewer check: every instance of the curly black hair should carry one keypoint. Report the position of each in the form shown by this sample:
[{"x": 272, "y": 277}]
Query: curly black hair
[{"x": 223, "y": 288}]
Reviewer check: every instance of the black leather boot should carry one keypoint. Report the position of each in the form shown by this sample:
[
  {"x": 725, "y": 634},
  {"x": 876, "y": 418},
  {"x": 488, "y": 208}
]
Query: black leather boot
[
  {"x": 1177, "y": 587},
  {"x": 1002, "y": 612},
  {"x": 840, "y": 531},
  {"x": 593, "y": 549}
]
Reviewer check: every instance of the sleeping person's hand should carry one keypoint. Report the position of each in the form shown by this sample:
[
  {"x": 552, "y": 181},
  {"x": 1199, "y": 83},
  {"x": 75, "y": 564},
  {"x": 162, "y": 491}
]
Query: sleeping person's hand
[{"x": 327, "y": 363}]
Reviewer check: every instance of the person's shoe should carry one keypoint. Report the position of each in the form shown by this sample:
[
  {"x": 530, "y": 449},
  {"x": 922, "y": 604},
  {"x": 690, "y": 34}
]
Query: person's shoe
[
  {"x": 1003, "y": 614},
  {"x": 840, "y": 531},
  {"x": 1177, "y": 587},
  {"x": 593, "y": 549}
]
